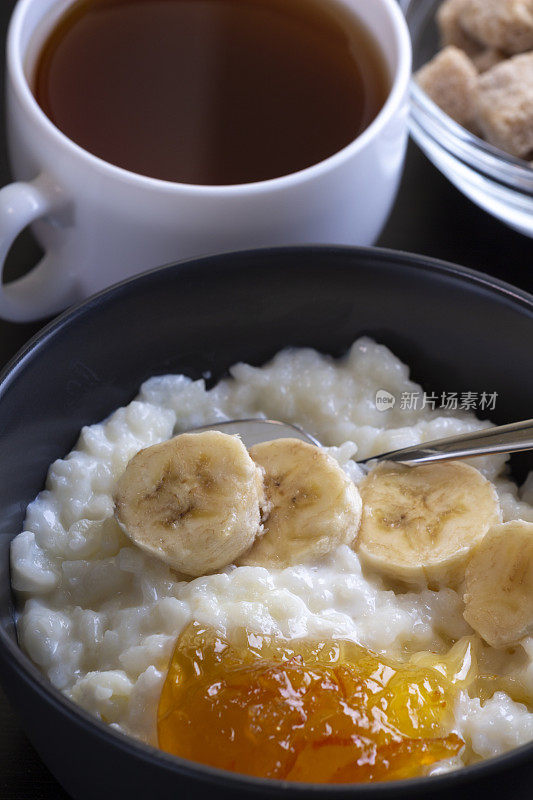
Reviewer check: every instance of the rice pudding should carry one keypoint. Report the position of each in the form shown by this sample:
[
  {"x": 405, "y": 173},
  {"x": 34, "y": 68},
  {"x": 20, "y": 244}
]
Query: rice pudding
[{"x": 101, "y": 617}]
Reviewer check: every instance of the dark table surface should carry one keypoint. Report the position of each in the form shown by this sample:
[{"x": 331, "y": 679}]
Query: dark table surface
[{"x": 429, "y": 217}]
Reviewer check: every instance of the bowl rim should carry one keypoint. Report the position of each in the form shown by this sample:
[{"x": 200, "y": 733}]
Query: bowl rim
[{"x": 37, "y": 681}]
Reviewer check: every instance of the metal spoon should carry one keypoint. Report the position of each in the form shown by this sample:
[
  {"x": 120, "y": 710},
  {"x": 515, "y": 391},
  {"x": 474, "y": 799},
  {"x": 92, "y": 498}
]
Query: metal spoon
[{"x": 512, "y": 438}]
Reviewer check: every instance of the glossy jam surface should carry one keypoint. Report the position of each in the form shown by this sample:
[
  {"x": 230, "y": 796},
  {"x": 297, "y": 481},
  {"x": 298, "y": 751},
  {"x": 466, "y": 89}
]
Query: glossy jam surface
[{"x": 324, "y": 712}]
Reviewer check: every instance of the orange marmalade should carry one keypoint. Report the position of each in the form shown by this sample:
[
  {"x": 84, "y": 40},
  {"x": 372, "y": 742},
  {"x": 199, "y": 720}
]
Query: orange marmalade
[{"x": 300, "y": 710}]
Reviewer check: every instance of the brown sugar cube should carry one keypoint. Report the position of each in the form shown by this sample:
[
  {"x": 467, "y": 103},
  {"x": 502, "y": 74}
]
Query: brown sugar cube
[
  {"x": 450, "y": 79},
  {"x": 505, "y": 105},
  {"x": 451, "y": 30},
  {"x": 487, "y": 59},
  {"x": 502, "y": 24}
]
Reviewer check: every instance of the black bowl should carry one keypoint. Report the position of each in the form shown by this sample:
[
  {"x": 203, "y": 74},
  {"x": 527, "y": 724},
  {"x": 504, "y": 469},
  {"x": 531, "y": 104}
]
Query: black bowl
[{"x": 460, "y": 331}]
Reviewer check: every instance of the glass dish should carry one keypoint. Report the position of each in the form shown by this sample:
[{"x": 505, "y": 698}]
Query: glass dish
[{"x": 498, "y": 183}]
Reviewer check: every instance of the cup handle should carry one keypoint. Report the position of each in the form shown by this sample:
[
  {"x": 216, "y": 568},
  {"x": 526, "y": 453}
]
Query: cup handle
[{"x": 48, "y": 288}]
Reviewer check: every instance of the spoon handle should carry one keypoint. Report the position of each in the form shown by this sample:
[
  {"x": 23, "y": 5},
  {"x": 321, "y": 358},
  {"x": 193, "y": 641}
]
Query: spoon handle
[{"x": 503, "y": 439}]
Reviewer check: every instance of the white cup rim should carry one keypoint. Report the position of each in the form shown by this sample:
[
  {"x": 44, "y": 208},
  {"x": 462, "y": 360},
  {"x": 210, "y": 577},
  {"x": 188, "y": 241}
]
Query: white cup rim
[{"x": 397, "y": 92}]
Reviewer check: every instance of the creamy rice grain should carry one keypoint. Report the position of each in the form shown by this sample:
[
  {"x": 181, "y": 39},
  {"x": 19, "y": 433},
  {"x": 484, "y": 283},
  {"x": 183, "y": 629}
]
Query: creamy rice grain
[{"x": 100, "y": 617}]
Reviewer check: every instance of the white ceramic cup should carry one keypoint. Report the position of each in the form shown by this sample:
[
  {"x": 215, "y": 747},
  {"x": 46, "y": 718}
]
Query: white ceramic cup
[{"x": 98, "y": 223}]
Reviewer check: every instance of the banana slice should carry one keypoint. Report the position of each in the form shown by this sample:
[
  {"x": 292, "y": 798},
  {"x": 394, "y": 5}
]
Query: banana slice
[
  {"x": 421, "y": 523},
  {"x": 499, "y": 585},
  {"x": 314, "y": 506},
  {"x": 193, "y": 501}
]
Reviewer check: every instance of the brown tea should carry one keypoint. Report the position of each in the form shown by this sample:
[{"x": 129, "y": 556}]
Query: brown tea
[{"x": 211, "y": 91}]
